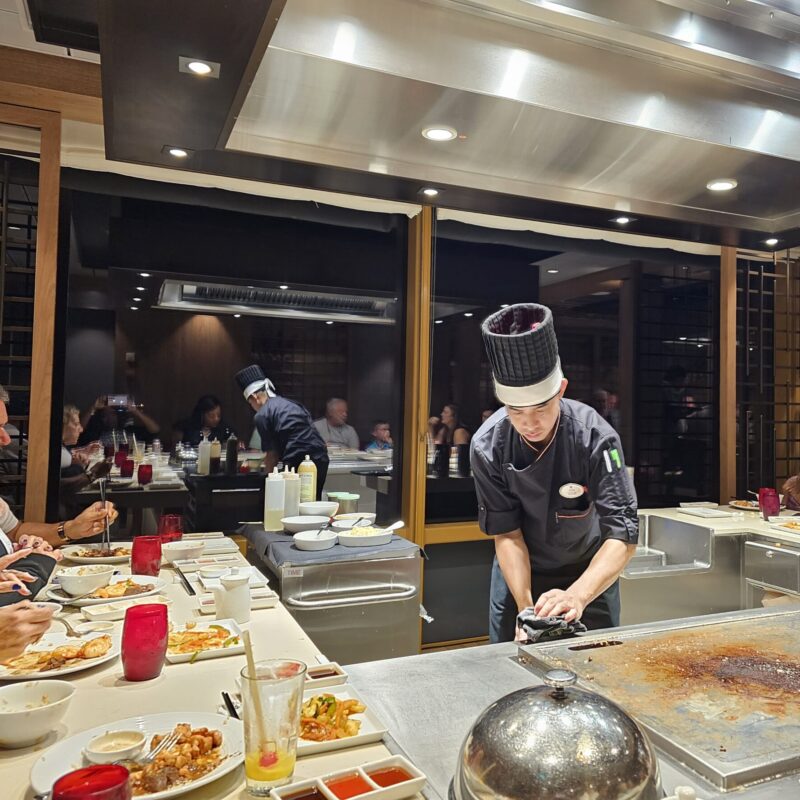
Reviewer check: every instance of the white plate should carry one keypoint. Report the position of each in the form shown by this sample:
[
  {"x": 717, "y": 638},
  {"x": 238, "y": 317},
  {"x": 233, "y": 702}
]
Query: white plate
[
  {"x": 51, "y": 640},
  {"x": 257, "y": 579},
  {"x": 194, "y": 564},
  {"x": 116, "y": 611},
  {"x": 206, "y": 535},
  {"x": 70, "y": 551},
  {"x": 377, "y": 455},
  {"x": 786, "y": 529},
  {"x": 215, "y": 547},
  {"x": 372, "y": 729},
  {"x": 56, "y": 592},
  {"x": 234, "y": 650},
  {"x": 67, "y": 755}
]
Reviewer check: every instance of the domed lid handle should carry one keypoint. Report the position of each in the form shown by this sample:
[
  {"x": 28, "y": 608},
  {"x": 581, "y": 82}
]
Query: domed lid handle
[{"x": 559, "y": 679}]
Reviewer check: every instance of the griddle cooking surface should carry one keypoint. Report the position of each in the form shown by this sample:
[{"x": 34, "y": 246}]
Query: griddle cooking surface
[{"x": 727, "y": 693}]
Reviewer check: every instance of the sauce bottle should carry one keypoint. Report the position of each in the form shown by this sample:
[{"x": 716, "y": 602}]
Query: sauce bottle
[
  {"x": 291, "y": 500},
  {"x": 215, "y": 458},
  {"x": 204, "y": 456},
  {"x": 273, "y": 501},
  {"x": 308, "y": 480},
  {"x": 232, "y": 455}
]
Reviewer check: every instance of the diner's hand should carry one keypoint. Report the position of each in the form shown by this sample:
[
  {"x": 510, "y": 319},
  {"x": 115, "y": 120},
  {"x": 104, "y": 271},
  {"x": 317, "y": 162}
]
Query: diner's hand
[
  {"x": 434, "y": 422},
  {"x": 560, "y": 603},
  {"x": 39, "y": 546},
  {"x": 13, "y": 580},
  {"x": 20, "y": 625},
  {"x": 99, "y": 470},
  {"x": 91, "y": 521}
]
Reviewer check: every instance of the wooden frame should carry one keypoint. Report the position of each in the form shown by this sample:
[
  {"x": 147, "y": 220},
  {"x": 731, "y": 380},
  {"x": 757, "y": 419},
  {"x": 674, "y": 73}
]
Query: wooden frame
[
  {"x": 727, "y": 375},
  {"x": 41, "y": 399},
  {"x": 417, "y": 383}
]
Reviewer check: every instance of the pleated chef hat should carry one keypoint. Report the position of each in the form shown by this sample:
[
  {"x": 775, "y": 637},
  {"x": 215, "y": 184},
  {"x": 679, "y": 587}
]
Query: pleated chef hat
[
  {"x": 523, "y": 352},
  {"x": 252, "y": 379}
]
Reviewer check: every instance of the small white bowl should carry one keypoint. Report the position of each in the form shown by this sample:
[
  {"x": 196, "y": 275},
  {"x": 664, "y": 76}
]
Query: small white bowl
[
  {"x": 348, "y": 524},
  {"x": 315, "y": 540},
  {"x": 213, "y": 571},
  {"x": 347, "y": 539},
  {"x": 114, "y": 746},
  {"x": 83, "y": 580},
  {"x": 30, "y": 711},
  {"x": 367, "y": 516},
  {"x": 181, "y": 550},
  {"x": 297, "y": 524},
  {"x": 319, "y": 508}
]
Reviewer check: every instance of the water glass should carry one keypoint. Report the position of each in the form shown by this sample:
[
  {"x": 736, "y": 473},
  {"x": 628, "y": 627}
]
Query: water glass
[
  {"x": 144, "y": 641},
  {"x": 145, "y": 474},
  {"x": 271, "y": 699},
  {"x": 102, "y": 782},
  {"x": 126, "y": 468},
  {"x": 146, "y": 555},
  {"x": 170, "y": 527}
]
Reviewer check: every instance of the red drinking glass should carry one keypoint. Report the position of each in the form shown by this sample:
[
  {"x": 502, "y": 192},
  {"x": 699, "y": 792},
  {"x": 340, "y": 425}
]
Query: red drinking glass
[
  {"x": 105, "y": 782},
  {"x": 769, "y": 502},
  {"x": 123, "y": 447},
  {"x": 170, "y": 527},
  {"x": 126, "y": 468},
  {"x": 120, "y": 458},
  {"x": 144, "y": 641},
  {"x": 145, "y": 474},
  {"x": 108, "y": 452},
  {"x": 146, "y": 555}
]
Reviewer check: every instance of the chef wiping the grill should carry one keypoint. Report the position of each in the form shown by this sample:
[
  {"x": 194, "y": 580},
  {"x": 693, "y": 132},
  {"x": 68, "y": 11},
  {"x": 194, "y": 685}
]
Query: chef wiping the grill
[{"x": 552, "y": 486}]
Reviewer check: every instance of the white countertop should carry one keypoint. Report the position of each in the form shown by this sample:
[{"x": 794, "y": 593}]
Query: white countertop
[{"x": 104, "y": 696}]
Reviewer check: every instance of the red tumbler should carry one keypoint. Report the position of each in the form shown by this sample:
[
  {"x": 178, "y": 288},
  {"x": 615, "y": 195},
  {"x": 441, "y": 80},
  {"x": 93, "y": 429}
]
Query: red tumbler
[
  {"x": 145, "y": 474},
  {"x": 170, "y": 527},
  {"x": 126, "y": 468},
  {"x": 146, "y": 555},
  {"x": 144, "y": 641},
  {"x": 769, "y": 502},
  {"x": 102, "y": 782}
]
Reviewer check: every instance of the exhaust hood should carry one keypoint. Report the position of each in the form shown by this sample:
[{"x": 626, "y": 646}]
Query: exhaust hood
[{"x": 259, "y": 301}]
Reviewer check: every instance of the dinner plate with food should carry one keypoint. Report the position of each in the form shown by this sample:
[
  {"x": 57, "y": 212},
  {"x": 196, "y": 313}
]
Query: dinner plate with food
[
  {"x": 118, "y": 553},
  {"x": 787, "y": 525},
  {"x": 119, "y": 587},
  {"x": 208, "y": 747},
  {"x": 196, "y": 640},
  {"x": 744, "y": 505},
  {"x": 334, "y": 720},
  {"x": 57, "y": 654}
]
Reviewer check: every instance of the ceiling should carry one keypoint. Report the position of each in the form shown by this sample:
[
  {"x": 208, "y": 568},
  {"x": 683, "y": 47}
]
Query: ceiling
[{"x": 572, "y": 111}]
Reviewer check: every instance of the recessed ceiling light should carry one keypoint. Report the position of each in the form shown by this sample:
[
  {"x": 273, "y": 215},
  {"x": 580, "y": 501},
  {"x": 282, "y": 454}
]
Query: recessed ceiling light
[
  {"x": 134, "y": 308},
  {"x": 137, "y": 299},
  {"x": 14, "y": 228},
  {"x": 283, "y": 286},
  {"x": 329, "y": 322},
  {"x": 141, "y": 288},
  {"x": 622, "y": 220},
  {"x": 600, "y": 294},
  {"x": 440, "y": 133},
  {"x": 236, "y": 316},
  {"x": 144, "y": 274},
  {"x": 429, "y": 191},
  {"x": 771, "y": 242},
  {"x": 504, "y": 305},
  {"x": 178, "y": 152},
  {"x": 467, "y": 313},
  {"x": 438, "y": 322},
  {"x": 198, "y": 67},
  {"x": 552, "y": 272},
  {"x": 682, "y": 338},
  {"x": 722, "y": 184}
]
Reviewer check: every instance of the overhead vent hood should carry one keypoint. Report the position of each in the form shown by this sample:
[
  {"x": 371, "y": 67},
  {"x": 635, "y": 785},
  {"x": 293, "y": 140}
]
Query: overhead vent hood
[{"x": 306, "y": 303}]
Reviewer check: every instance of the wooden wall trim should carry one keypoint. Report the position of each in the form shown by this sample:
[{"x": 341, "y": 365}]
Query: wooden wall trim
[
  {"x": 452, "y": 532},
  {"x": 44, "y": 301},
  {"x": 417, "y": 371},
  {"x": 727, "y": 375}
]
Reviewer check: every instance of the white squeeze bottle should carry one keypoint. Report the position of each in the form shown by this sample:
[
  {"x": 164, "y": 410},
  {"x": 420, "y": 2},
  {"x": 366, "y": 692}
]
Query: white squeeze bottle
[
  {"x": 308, "y": 480},
  {"x": 204, "y": 456},
  {"x": 291, "y": 499},
  {"x": 273, "y": 501}
]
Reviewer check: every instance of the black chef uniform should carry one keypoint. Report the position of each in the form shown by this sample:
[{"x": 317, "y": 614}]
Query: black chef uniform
[
  {"x": 285, "y": 427},
  {"x": 568, "y": 499}
]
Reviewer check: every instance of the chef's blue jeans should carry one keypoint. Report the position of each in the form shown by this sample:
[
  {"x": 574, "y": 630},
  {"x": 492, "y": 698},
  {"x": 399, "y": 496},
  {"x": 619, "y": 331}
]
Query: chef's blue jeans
[{"x": 600, "y": 613}]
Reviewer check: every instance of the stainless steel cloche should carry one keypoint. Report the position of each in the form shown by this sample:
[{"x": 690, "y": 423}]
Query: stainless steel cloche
[{"x": 556, "y": 742}]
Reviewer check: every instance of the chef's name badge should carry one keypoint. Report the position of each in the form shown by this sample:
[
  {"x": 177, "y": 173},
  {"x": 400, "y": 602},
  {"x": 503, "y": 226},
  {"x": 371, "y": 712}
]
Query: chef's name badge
[{"x": 571, "y": 491}]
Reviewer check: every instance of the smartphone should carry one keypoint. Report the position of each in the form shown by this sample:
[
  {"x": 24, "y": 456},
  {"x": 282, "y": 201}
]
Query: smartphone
[{"x": 119, "y": 400}]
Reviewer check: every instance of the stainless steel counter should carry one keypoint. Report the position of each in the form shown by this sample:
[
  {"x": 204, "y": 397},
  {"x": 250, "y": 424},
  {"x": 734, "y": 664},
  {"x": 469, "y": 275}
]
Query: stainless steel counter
[{"x": 429, "y": 703}]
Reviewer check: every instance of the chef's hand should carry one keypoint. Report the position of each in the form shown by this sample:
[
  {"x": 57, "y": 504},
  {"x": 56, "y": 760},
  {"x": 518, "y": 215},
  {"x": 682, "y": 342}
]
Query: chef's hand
[
  {"x": 560, "y": 603},
  {"x": 520, "y": 636}
]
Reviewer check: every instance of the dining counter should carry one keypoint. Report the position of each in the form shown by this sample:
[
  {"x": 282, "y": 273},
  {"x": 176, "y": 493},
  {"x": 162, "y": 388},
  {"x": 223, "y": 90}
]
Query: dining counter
[{"x": 102, "y": 696}]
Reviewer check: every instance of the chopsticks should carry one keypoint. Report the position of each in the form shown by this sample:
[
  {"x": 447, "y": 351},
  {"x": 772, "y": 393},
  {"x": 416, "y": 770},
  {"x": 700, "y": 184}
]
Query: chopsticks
[
  {"x": 106, "y": 542},
  {"x": 186, "y": 585},
  {"x": 255, "y": 695},
  {"x": 226, "y": 698}
]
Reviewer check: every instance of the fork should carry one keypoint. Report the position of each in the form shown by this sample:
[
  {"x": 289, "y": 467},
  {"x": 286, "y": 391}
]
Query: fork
[{"x": 170, "y": 740}]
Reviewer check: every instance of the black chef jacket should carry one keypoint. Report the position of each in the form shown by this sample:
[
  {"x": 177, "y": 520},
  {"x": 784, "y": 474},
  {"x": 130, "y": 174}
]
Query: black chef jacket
[
  {"x": 517, "y": 489},
  {"x": 286, "y": 428}
]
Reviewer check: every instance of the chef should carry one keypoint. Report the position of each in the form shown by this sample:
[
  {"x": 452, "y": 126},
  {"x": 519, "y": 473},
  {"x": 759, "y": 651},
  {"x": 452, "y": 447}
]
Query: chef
[
  {"x": 285, "y": 428},
  {"x": 552, "y": 486}
]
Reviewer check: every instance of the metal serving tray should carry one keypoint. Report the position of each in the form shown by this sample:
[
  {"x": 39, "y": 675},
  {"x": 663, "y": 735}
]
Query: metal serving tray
[{"x": 719, "y": 693}]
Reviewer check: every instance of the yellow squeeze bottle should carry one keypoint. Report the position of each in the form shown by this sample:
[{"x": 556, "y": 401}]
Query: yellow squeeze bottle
[{"x": 308, "y": 480}]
